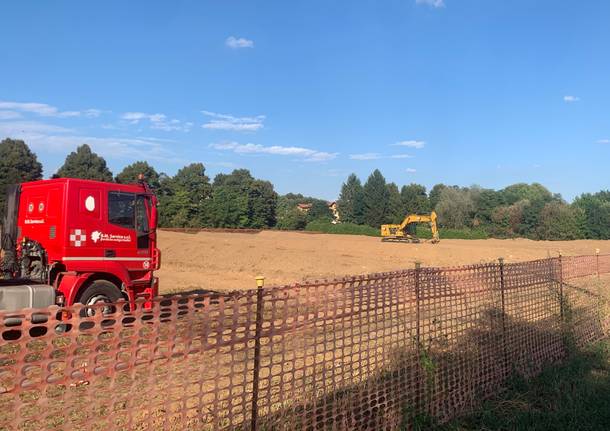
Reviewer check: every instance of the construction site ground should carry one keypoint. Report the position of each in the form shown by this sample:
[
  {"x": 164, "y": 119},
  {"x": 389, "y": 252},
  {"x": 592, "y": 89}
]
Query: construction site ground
[{"x": 226, "y": 261}]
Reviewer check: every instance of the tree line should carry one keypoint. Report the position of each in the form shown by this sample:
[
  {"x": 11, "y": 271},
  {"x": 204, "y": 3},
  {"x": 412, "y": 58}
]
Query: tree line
[
  {"x": 187, "y": 199},
  {"x": 519, "y": 210},
  {"x": 238, "y": 200}
]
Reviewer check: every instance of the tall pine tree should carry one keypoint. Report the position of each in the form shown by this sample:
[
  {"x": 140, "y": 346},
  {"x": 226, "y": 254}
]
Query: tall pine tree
[
  {"x": 376, "y": 200},
  {"x": 395, "y": 212},
  {"x": 414, "y": 199},
  {"x": 350, "y": 203}
]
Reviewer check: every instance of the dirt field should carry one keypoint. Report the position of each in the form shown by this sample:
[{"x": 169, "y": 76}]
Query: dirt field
[{"x": 230, "y": 261}]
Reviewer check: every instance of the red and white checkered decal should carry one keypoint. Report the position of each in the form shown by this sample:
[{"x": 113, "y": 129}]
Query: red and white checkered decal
[{"x": 78, "y": 237}]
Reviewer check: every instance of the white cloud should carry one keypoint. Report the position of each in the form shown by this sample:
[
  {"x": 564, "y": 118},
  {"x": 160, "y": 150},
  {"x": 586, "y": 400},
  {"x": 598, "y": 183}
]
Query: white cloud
[
  {"x": 17, "y": 129},
  {"x": 410, "y": 170},
  {"x": 377, "y": 156},
  {"x": 432, "y": 3},
  {"x": 571, "y": 99},
  {"x": 306, "y": 154},
  {"x": 134, "y": 117},
  {"x": 411, "y": 144},
  {"x": 52, "y": 139},
  {"x": 9, "y": 115},
  {"x": 603, "y": 141},
  {"x": 92, "y": 113},
  {"x": 239, "y": 42},
  {"x": 229, "y": 122},
  {"x": 365, "y": 156},
  {"x": 157, "y": 121},
  {"x": 45, "y": 110}
]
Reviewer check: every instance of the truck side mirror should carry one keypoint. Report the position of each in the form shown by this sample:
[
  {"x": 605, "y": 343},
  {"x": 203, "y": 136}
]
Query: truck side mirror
[{"x": 153, "y": 214}]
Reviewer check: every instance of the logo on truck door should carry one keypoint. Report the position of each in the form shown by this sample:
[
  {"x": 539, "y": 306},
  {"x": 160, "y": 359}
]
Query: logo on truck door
[
  {"x": 97, "y": 236},
  {"x": 78, "y": 237}
]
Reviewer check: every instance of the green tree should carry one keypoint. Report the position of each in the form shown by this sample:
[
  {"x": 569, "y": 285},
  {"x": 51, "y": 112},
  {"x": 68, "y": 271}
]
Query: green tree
[
  {"x": 17, "y": 165},
  {"x": 85, "y": 164},
  {"x": 132, "y": 172},
  {"x": 414, "y": 199},
  {"x": 184, "y": 198},
  {"x": 559, "y": 221},
  {"x": 596, "y": 208},
  {"x": 240, "y": 201},
  {"x": 508, "y": 219},
  {"x": 531, "y": 198},
  {"x": 262, "y": 204},
  {"x": 376, "y": 200},
  {"x": 395, "y": 209},
  {"x": 350, "y": 203},
  {"x": 229, "y": 207},
  {"x": 435, "y": 195},
  {"x": 486, "y": 202},
  {"x": 455, "y": 208},
  {"x": 319, "y": 211},
  {"x": 291, "y": 219},
  {"x": 532, "y": 192}
]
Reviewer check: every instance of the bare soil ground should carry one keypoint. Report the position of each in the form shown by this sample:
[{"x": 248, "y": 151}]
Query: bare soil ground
[{"x": 230, "y": 261}]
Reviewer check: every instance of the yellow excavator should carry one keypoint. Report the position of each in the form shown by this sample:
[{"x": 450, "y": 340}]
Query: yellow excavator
[{"x": 405, "y": 232}]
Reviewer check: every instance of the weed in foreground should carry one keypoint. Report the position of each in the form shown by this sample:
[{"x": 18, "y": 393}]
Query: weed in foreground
[{"x": 572, "y": 396}]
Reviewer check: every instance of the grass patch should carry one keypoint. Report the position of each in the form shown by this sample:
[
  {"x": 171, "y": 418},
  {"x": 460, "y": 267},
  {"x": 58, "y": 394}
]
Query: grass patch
[
  {"x": 423, "y": 232},
  {"x": 342, "y": 228},
  {"x": 465, "y": 233},
  {"x": 572, "y": 396}
]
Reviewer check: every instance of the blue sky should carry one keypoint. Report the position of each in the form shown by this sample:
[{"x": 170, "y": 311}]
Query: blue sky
[{"x": 303, "y": 93}]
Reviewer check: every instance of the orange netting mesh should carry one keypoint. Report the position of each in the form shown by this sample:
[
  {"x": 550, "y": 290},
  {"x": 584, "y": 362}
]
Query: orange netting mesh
[{"x": 368, "y": 352}]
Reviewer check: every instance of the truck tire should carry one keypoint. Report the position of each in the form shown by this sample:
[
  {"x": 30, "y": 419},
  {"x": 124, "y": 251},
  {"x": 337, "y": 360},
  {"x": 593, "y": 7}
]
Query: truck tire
[{"x": 100, "y": 291}]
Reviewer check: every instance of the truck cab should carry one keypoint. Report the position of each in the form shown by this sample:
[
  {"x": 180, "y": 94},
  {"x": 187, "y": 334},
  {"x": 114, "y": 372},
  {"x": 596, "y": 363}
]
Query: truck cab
[{"x": 77, "y": 240}]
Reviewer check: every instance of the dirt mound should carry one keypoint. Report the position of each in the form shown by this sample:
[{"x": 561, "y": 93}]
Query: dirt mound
[{"x": 230, "y": 261}]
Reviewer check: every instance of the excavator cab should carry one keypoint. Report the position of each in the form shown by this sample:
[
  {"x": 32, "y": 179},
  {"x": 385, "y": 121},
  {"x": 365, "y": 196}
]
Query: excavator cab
[{"x": 406, "y": 231}]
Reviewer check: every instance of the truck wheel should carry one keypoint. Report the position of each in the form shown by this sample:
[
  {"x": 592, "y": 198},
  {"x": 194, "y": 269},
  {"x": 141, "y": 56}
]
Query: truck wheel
[{"x": 100, "y": 291}]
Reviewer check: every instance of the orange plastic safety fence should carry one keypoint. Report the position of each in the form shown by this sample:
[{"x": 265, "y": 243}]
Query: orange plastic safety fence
[{"x": 367, "y": 352}]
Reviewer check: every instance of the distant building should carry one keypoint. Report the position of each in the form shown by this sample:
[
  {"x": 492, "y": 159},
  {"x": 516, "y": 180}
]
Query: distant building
[
  {"x": 304, "y": 207},
  {"x": 335, "y": 210},
  {"x": 332, "y": 206}
]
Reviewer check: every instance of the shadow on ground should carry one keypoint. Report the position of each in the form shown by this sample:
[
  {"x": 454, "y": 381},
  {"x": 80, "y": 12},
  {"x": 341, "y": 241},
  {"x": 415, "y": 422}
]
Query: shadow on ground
[{"x": 572, "y": 396}]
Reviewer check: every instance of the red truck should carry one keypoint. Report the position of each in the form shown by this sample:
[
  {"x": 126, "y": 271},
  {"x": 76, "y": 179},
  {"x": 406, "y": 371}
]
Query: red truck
[{"x": 69, "y": 240}]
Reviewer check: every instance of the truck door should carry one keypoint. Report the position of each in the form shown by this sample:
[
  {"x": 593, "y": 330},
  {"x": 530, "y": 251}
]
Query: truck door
[{"x": 129, "y": 240}]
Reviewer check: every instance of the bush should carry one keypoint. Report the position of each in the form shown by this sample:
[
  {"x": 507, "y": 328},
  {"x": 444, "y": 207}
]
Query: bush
[
  {"x": 342, "y": 228},
  {"x": 423, "y": 232},
  {"x": 291, "y": 219}
]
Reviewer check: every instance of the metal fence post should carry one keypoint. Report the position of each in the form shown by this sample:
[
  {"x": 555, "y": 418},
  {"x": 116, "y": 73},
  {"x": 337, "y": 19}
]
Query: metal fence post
[
  {"x": 503, "y": 302},
  {"x": 597, "y": 261},
  {"x": 417, "y": 311},
  {"x": 560, "y": 288},
  {"x": 600, "y": 302},
  {"x": 421, "y": 398},
  {"x": 260, "y": 283}
]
